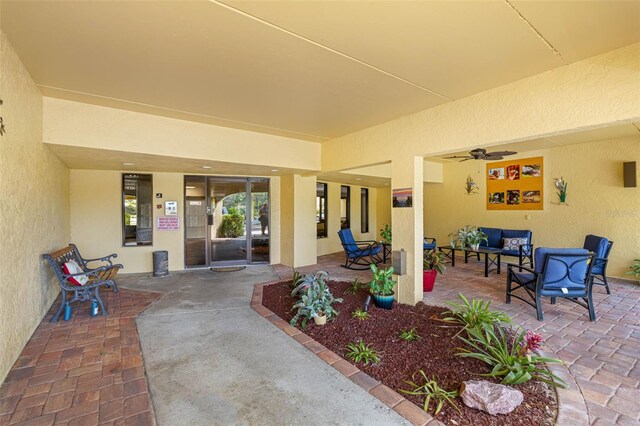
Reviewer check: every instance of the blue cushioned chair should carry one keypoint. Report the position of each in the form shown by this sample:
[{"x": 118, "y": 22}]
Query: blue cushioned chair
[
  {"x": 601, "y": 247},
  {"x": 357, "y": 252},
  {"x": 558, "y": 273},
  {"x": 429, "y": 244}
]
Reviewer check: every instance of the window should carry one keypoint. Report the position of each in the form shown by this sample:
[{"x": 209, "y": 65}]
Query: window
[
  {"x": 345, "y": 207},
  {"x": 321, "y": 210},
  {"x": 364, "y": 210},
  {"x": 137, "y": 211}
]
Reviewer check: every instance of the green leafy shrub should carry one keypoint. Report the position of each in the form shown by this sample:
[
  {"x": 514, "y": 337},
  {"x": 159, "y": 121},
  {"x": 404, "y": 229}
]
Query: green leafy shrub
[
  {"x": 385, "y": 234},
  {"x": 297, "y": 278},
  {"x": 382, "y": 283},
  {"x": 635, "y": 269},
  {"x": 409, "y": 335},
  {"x": 355, "y": 286},
  {"x": 315, "y": 299},
  {"x": 474, "y": 314},
  {"x": 431, "y": 390},
  {"x": 360, "y": 352},
  {"x": 513, "y": 359},
  {"x": 360, "y": 314},
  {"x": 232, "y": 226},
  {"x": 434, "y": 260}
]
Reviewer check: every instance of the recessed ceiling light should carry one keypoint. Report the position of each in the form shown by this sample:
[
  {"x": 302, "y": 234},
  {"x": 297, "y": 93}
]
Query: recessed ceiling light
[
  {"x": 190, "y": 187},
  {"x": 128, "y": 164},
  {"x": 358, "y": 178},
  {"x": 274, "y": 170},
  {"x": 206, "y": 167}
]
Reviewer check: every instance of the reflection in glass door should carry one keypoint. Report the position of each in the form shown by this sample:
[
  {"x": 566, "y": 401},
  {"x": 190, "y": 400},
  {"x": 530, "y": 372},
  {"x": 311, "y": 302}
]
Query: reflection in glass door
[
  {"x": 228, "y": 210},
  {"x": 223, "y": 225}
]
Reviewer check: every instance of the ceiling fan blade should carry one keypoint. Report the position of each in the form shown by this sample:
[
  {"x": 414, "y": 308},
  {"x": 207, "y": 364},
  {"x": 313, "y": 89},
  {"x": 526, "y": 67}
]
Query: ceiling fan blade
[
  {"x": 501, "y": 153},
  {"x": 468, "y": 157},
  {"x": 493, "y": 157}
]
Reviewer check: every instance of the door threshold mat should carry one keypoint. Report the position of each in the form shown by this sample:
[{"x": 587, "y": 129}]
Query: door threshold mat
[{"x": 228, "y": 268}]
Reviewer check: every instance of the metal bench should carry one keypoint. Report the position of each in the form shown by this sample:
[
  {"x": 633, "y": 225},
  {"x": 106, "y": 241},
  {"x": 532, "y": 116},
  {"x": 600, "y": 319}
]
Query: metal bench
[{"x": 101, "y": 276}]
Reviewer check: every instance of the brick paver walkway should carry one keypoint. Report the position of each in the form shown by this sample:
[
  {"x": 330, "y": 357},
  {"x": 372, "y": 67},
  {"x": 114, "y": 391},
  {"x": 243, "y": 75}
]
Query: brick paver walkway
[
  {"x": 603, "y": 356},
  {"x": 85, "y": 371}
]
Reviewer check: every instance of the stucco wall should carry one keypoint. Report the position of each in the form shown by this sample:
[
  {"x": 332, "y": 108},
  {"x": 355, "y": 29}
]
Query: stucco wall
[
  {"x": 331, "y": 244},
  {"x": 34, "y": 194},
  {"x": 598, "y": 202},
  {"x": 96, "y": 215}
]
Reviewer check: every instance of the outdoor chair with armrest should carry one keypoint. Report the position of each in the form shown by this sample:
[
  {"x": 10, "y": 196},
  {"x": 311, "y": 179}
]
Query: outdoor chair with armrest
[{"x": 359, "y": 254}]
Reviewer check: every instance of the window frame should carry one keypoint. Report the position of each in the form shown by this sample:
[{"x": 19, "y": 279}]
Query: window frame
[
  {"x": 364, "y": 210},
  {"x": 125, "y": 177},
  {"x": 347, "y": 223},
  {"x": 323, "y": 204}
]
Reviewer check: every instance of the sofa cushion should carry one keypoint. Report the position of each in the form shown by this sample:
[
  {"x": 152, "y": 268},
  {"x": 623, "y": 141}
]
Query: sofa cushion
[
  {"x": 513, "y": 244},
  {"x": 494, "y": 237},
  {"x": 541, "y": 253},
  {"x": 514, "y": 233}
]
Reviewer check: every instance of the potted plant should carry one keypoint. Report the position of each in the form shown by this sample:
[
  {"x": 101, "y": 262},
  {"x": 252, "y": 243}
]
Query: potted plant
[
  {"x": 381, "y": 287},
  {"x": 385, "y": 234},
  {"x": 453, "y": 238},
  {"x": 635, "y": 269},
  {"x": 461, "y": 235},
  {"x": 434, "y": 264},
  {"x": 316, "y": 300},
  {"x": 475, "y": 237}
]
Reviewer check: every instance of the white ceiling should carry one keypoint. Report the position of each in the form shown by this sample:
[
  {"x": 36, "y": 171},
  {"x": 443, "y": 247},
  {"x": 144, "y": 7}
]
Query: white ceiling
[{"x": 313, "y": 70}]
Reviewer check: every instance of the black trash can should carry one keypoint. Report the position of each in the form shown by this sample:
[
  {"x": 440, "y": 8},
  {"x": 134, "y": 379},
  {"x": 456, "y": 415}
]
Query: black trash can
[{"x": 160, "y": 263}]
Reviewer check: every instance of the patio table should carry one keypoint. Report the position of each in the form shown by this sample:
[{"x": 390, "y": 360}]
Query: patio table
[{"x": 491, "y": 256}]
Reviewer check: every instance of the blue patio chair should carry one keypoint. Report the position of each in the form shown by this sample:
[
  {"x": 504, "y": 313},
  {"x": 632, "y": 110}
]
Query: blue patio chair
[
  {"x": 558, "y": 273},
  {"x": 601, "y": 247},
  {"x": 429, "y": 244},
  {"x": 359, "y": 253}
]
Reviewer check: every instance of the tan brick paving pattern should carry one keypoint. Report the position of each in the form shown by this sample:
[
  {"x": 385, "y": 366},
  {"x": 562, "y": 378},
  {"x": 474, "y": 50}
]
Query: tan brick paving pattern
[{"x": 86, "y": 371}]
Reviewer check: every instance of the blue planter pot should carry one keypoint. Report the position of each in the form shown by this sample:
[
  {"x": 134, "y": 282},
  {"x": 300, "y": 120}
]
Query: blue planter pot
[{"x": 383, "y": 302}]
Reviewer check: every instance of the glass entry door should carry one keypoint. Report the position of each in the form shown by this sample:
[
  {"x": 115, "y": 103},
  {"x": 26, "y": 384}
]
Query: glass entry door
[{"x": 226, "y": 221}]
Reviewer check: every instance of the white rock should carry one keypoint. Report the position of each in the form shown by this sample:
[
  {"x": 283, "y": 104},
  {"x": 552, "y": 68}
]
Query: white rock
[{"x": 490, "y": 397}]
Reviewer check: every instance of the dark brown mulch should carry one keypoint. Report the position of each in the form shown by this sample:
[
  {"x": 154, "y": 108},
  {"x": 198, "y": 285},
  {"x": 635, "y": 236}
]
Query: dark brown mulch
[{"x": 434, "y": 353}]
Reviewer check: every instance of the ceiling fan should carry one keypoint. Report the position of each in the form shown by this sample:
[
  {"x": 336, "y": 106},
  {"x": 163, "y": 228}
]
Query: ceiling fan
[{"x": 482, "y": 154}]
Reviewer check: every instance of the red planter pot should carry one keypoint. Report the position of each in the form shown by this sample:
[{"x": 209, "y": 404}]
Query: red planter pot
[{"x": 428, "y": 279}]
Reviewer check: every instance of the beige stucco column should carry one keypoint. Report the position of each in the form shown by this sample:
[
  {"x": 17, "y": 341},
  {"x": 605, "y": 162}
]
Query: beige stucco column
[
  {"x": 298, "y": 242},
  {"x": 407, "y": 226}
]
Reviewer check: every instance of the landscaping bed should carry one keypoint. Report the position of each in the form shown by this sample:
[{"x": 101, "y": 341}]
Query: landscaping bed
[{"x": 434, "y": 353}]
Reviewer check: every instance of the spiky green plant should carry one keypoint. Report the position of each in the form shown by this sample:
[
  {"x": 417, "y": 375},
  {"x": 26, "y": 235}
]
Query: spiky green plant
[
  {"x": 360, "y": 314},
  {"x": 474, "y": 313},
  {"x": 361, "y": 352},
  {"x": 315, "y": 299},
  {"x": 355, "y": 286},
  {"x": 430, "y": 390},
  {"x": 409, "y": 335},
  {"x": 297, "y": 278},
  {"x": 512, "y": 358}
]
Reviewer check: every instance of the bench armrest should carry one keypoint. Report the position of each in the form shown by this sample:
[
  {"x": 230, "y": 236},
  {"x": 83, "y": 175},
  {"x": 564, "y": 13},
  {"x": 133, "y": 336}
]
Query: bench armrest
[{"x": 102, "y": 259}]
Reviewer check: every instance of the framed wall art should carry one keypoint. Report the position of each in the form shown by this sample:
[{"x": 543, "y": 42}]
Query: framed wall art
[{"x": 515, "y": 184}]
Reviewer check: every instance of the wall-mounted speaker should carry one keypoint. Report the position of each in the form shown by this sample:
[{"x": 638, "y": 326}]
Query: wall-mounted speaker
[{"x": 630, "y": 174}]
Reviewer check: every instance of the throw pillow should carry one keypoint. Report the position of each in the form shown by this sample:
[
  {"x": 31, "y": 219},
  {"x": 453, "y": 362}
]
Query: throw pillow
[
  {"x": 72, "y": 267},
  {"x": 513, "y": 243}
]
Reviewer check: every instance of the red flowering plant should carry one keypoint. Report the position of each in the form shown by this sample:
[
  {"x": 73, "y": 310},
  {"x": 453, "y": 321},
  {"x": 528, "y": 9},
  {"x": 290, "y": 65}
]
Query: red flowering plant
[{"x": 514, "y": 359}]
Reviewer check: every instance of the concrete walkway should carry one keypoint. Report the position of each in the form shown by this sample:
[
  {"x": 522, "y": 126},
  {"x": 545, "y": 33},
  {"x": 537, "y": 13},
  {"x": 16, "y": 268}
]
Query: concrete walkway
[{"x": 211, "y": 359}]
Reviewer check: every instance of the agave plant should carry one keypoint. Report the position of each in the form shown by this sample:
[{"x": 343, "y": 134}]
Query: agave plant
[{"x": 474, "y": 313}]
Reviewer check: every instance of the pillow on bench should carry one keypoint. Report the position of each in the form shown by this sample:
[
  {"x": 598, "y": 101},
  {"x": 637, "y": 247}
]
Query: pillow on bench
[
  {"x": 72, "y": 267},
  {"x": 513, "y": 243}
]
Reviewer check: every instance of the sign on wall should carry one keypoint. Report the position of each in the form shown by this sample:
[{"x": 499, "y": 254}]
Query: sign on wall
[
  {"x": 168, "y": 223},
  {"x": 515, "y": 184}
]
